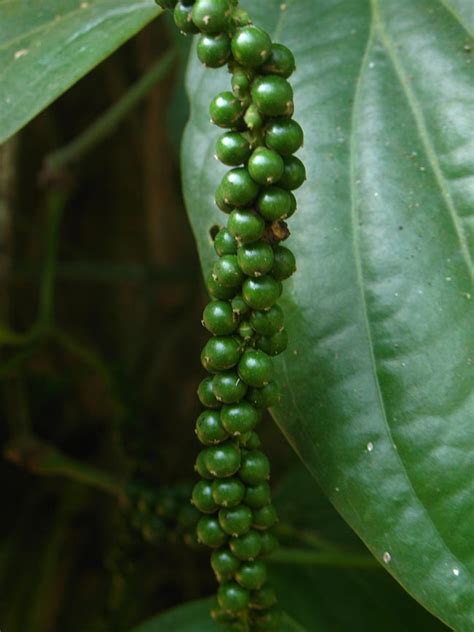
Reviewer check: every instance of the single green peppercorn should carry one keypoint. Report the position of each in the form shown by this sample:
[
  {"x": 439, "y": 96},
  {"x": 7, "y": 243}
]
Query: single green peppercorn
[
  {"x": 219, "y": 318},
  {"x": 274, "y": 345},
  {"x": 228, "y": 387},
  {"x": 233, "y": 149},
  {"x": 252, "y": 575},
  {"x": 241, "y": 80},
  {"x": 232, "y": 597},
  {"x": 202, "y": 497},
  {"x": 246, "y": 547},
  {"x": 255, "y": 467},
  {"x": 253, "y": 119},
  {"x": 226, "y": 110},
  {"x": 255, "y": 368},
  {"x": 238, "y": 187},
  {"x": 255, "y": 259},
  {"x": 220, "y": 353},
  {"x": 209, "y": 428},
  {"x": 265, "y": 166},
  {"x": 228, "y": 492},
  {"x": 245, "y": 226},
  {"x": 269, "y": 542},
  {"x": 284, "y": 136},
  {"x": 200, "y": 465},
  {"x": 225, "y": 243},
  {"x": 210, "y": 532},
  {"x": 236, "y": 521},
  {"x": 211, "y": 16},
  {"x": 220, "y": 201},
  {"x": 259, "y": 495},
  {"x": 261, "y": 293},
  {"x": 285, "y": 263},
  {"x": 269, "y": 322},
  {"x": 265, "y": 397},
  {"x": 253, "y": 441},
  {"x": 239, "y": 306},
  {"x": 281, "y": 62},
  {"x": 263, "y": 599},
  {"x": 293, "y": 205},
  {"x": 223, "y": 460},
  {"x": 218, "y": 291},
  {"x": 294, "y": 173},
  {"x": 273, "y": 96},
  {"x": 251, "y": 46},
  {"x": 245, "y": 331},
  {"x": 213, "y": 50},
  {"x": 265, "y": 517},
  {"x": 183, "y": 18},
  {"x": 240, "y": 418},
  {"x": 274, "y": 203},
  {"x": 224, "y": 564},
  {"x": 227, "y": 271},
  {"x": 206, "y": 394}
]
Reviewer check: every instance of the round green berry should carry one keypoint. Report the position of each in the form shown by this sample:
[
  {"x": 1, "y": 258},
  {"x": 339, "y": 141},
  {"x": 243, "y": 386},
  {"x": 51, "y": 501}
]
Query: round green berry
[
  {"x": 255, "y": 467},
  {"x": 281, "y": 62},
  {"x": 246, "y": 547},
  {"x": 285, "y": 263},
  {"x": 259, "y": 495},
  {"x": 245, "y": 331},
  {"x": 269, "y": 542},
  {"x": 232, "y": 597},
  {"x": 239, "y": 418},
  {"x": 183, "y": 18},
  {"x": 226, "y": 110},
  {"x": 265, "y": 397},
  {"x": 252, "y": 442},
  {"x": 255, "y": 368},
  {"x": 202, "y": 497},
  {"x": 294, "y": 173},
  {"x": 265, "y": 517},
  {"x": 261, "y": 293},
  {"x": 273, "y": 96},
  {"x": 206, "y": 394},
  {"x": 252, "y": 575},
  {"x": 274, "y": 345},
  {"x": 210, "y": 532},
  {"x": 255, "y": 259},
  {"x": 253, "y": 119},
  {"x": 236, "y": 521},
  {"x": 223, "y": 460},
  {"x": 239, "y": 306},
  {"x": 225, "y": 243},
  {"x": 284, "y": 136},
  {"x": 213, "y": 50},
  {"x": 209, "y": 428},
  {"x": 228, "y": 492},
  {"x": 265, "y": 166},
  {"x": 228, "y": 387},
  {"x": 220, "y": 353},
  {"x": 220, "y": 201},
  {"x": 263, "y": 598},
  {"x": 251, "y": 46},
  {"x": 216, "y": 290},
  {"x": 233, "y": 149},
  {"x": 227, "y": 271},
  {"x": 241, "y": 80},
  {"x": 211, "y": 16},
  {"x": 219, "y": 318},
  {"x": 245, "y": 226},
  {"x": 238, "y": 187},
  {"x": 201, "y": 467},
  {"x": 224, "y": 564},
  {"x": 269, "y": 322},
  {"x": 274, "y": 203}
]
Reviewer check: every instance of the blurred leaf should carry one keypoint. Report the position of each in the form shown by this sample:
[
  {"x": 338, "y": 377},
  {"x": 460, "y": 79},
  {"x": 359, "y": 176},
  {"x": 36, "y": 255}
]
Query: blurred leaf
[
  {"x": 45, "y": 47},
  {"x": 378, "y": 376}
]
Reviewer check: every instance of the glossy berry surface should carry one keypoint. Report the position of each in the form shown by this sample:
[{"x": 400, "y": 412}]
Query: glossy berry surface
[
  {"x": 221, "y": 353},
  {"x": 240, "y": 418},
  {"x": 255, "y": 259},
  {"x": 211, "y": 16},
  {"x": 226, "y": 110},
  {"x": 247, "y": 546},
  {"x": 210, "y": 533},
  {"x": 228, "y": 387},
  {"x": 224, "y": 564},
  {"x": 268, "y": 322},
  {"x": 225, "y": 243},
  {"x": 284, "y": 136},
  {"x": 265, "y": 517},
  {"x": 252, "y": 575},
  {"x": 257, "y": 496},
  {"x": 255, "y": 368},
  {"x": 227, "y": 272},
  {"x": 245, "y": 226},
  {"x": 219, "y": 318},
  {"x": 228, "y": 492},
  {"x": 233, "y": 597},
  {"x": 255, "y": 467},
  {"x": 261, "y": 293},
  {"x": 266, "y": 166},
  {"x": 251, "y": 46},
  {"x": 233, "y": 149},
  {"x": 206, "y": 394},
  {"x": 274, "y": 203},
  {"x": 223, "y": 460},
  {"x": 202, "y": 497},
  {"x": 239, "y": 306},
  {"x": 280, "y": 62},
  {"x": 236, "y": 521},
  {"x": 264, "y": 397},
  {"x": 183, "y": 18},
  {"x": 216, "y": 290},
  {"x": 284, "y": 263},
  {"x": 273, "y": 96},
  {"x": 201, "y": 467},
  {"x": 294, "y": 173},
  {"x": 213, "y": 50},
  {"x": 274, "y": 345},
  {"x": 209, "y": 428},
  {"x": 238, "y": 188}
]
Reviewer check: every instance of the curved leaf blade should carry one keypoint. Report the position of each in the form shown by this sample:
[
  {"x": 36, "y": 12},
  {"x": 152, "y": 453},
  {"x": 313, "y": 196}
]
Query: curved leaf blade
[
  {"x": 378, "y": 378},
  {"x": 45, "y": 49}
]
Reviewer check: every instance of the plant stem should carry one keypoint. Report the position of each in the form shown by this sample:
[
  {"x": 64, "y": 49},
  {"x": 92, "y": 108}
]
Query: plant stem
[
  {"x": 44, "y": 459},
  {"x": 324, "y": 558},
  {"x": 106, "y": 124}
]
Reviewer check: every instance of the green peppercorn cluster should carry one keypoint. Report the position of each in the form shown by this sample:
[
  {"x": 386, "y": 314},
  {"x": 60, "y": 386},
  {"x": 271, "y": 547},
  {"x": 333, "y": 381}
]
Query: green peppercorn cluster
[{"x": 244, "y": 318}]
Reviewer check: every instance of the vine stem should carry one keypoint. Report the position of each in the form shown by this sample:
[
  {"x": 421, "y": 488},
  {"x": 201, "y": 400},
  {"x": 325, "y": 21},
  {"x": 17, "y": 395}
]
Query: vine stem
[
  {"x": 109, "y": 120},
  {"x": 334, "y": 559},
  {"x": 43, "y": 459}
]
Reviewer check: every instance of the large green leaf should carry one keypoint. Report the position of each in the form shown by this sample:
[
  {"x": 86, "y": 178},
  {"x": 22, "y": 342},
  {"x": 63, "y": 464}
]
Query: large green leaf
[
  {"x": 45, "y": 47},
  {"x": 378, "y": 378}
]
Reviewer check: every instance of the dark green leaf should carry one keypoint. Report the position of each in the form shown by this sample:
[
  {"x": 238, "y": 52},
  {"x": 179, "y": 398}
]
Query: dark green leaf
[
  {"x": 45, "y": 47},
  {"x": 378, "y": 397}
]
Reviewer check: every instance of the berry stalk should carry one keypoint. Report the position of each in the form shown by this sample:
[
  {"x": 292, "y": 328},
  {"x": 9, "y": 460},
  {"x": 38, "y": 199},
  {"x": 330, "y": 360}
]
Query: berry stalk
[{"x": 243, "y": 317}]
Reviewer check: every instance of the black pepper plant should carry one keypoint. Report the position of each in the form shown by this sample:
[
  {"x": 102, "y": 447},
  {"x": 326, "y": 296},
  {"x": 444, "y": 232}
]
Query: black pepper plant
[{"x": 243, "y": 317}]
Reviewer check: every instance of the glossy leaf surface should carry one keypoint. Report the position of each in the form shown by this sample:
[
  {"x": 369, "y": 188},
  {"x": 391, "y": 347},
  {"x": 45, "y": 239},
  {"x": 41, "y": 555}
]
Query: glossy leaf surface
[
  {"x": 45, "y": 47},
  {"x": 378, "y": 379}
]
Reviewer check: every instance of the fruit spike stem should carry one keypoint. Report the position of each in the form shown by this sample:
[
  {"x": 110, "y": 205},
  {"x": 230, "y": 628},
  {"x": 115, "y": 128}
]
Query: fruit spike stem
[{"x": 245, "y": 322}]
